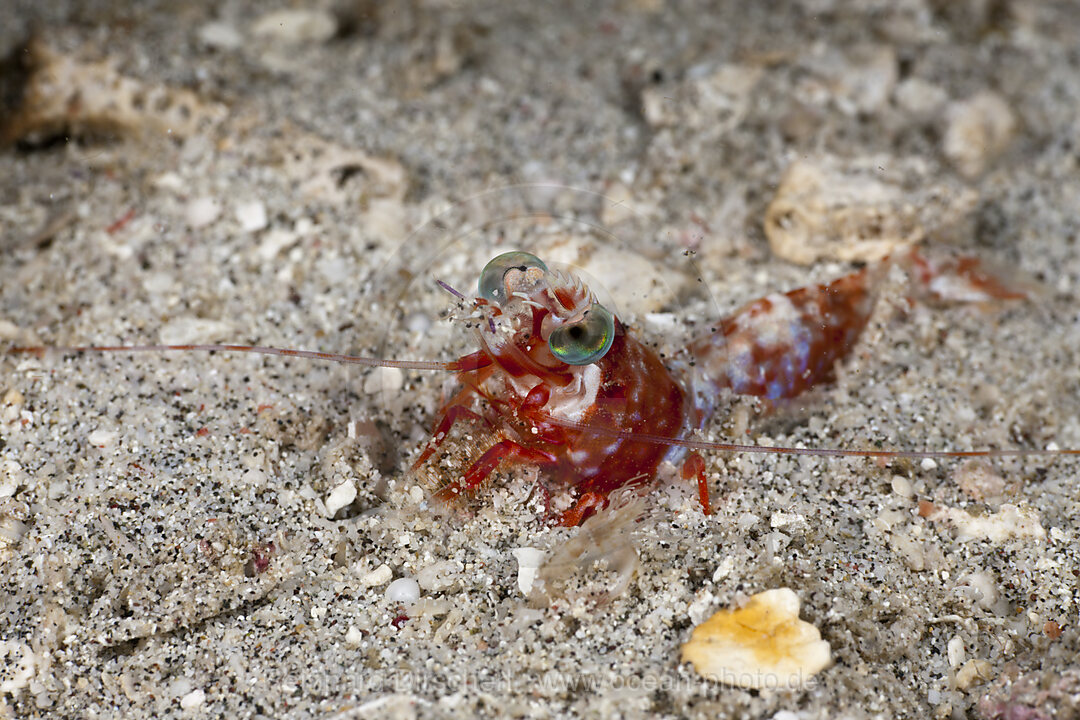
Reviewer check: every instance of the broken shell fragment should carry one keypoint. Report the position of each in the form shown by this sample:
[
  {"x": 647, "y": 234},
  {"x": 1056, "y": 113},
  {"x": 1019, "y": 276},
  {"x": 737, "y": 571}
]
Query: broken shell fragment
[
  {"x": 763, "y": 644},
  {"x": 862, "y": 209}
]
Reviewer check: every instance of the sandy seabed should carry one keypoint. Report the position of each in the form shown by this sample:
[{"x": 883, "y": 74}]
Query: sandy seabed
[{"x": 202, "y": 172}]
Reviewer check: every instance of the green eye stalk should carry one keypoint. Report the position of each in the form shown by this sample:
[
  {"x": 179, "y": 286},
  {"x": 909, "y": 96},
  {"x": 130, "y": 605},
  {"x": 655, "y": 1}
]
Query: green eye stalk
[
  {"x": 585, "y": 341},
  {"x": 577, "y": 343},
  {"x": 491, "y": 285}
]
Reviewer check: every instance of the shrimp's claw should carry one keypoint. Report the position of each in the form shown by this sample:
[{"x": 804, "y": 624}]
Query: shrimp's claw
[{"x": 479, "y": 471}]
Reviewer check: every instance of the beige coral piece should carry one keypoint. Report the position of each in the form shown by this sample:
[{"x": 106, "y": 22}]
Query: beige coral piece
[
  {"x": 763, "y": 644},
  {"x": 63, "y": 94},
  {"x": 862, "y": 209},
  {"x": 978, "y": 130}
]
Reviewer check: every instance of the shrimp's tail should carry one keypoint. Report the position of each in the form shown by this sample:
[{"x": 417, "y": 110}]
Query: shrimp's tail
[{"x": 781, "y": 345}]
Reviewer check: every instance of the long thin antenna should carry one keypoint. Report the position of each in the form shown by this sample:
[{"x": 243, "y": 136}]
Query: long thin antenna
[
  {"x": 474, "y": 361},
  {"x": 41, "y": 350},
  {"x": 817, "y": 452}
]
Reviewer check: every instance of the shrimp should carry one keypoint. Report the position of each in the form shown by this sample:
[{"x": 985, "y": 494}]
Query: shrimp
[{"x": 559, "y": 382}]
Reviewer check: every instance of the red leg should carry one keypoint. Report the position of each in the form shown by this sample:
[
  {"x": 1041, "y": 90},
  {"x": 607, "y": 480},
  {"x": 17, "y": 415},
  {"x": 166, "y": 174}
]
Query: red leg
[
  {"x": 547, "y": 498},
  {"x": 695, "y": 466},
  {"x": 479, "y": 471},
  {"x": 451, "y": 416},
  {"x": 586, "y": 505}
]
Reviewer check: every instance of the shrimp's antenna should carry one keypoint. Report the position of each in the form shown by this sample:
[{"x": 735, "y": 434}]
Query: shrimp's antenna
[
  {"x": 816, "y": 452},
  {"x": 40, "y": 350}
]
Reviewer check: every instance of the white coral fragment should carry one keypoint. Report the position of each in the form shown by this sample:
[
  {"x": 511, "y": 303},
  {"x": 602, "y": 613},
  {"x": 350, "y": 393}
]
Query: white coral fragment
[
  {"x": 763, "y": 644},
  {"x": 862, "y": 209},
  {"x": 529, "y": 560},
  {"x": 189, "y": 330},
  {"x": 65, "y": 95},
  {"x": 340, "y": 497},
  {"x": 1007, "y": 523},
  {"x": 714, "y": 101},
  {"x": 18, "y": 668}
]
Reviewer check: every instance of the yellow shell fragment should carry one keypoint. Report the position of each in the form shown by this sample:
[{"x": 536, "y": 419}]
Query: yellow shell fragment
[{"x": 761, "y": 645}]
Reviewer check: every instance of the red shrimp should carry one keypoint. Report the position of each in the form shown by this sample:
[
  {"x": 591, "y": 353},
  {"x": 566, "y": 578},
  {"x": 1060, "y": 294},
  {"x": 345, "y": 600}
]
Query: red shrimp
[
  {"x": 563, "y": 384},
  {"x": 559, "y": 382}
]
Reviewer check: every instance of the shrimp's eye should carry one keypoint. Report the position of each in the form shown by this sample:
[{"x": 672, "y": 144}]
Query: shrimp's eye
[
  {"x": 491, "y": 286},
  {"x": 585, "y": 341}
]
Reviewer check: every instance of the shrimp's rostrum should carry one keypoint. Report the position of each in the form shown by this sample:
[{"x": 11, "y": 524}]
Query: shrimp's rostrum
[{"x": 561, "y": 383}]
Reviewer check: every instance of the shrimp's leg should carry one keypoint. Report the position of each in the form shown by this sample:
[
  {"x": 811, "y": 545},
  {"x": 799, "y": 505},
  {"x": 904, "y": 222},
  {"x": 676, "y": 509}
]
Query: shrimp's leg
[
  {"x": 694, "y": 466},
  {"x": 449, "y": 418},
  {"x": 479, "y": 470},
  {"x": 589, "y": 502},
  {"x": 962, "y": 279},
  {"x": 586, "y": 505}
]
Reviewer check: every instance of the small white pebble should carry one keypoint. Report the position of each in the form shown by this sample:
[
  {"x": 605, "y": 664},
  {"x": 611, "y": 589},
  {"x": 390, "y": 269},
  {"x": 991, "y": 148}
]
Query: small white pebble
[
  {"x": 19, "y": 666},
  {"x": 102, "y": 438},
  {"x": 724, "y": 568},
  {"x": 973, "y": 671},
  {"x": 202, "y": 212},
  {"x": 274, "y": 241},
  {"x": 12, "y": 529},
  {"x": 379, "y": 576},
  {"x": 529, "y": 560},
  {"x": 339, "y": 497},
  {"x": 251, "y": 216},
  {"x": 783, "y": 519},
  {"x": 902, "y": 486},
  {"x": 955, "y": 650},
  {"x": 220, "y": 35},
  {"x": 785, "y": 715},
  {"x": 403, "y": 590},
  {"x": 660, "y": 321},
  {"x": 928, "y": 464},
  {"x": 353, "y": 637},
  {"x": 418, "y": 323},
  {"x": 181, "y": 686},
  {"x": 186, "y": 330},
  {"x": 384, "y": 379},
  {"x": 193, "y": 699},
  {"x": 169, "y": 181},
  {"x": 11, "y": 477},
  {"x": 977, "y": 130},
  {"x": 295, "y": 27}
]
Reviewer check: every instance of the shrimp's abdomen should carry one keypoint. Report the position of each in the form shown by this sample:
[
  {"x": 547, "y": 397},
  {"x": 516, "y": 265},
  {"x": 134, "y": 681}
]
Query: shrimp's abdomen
[{"x": 782, "y": 344}]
